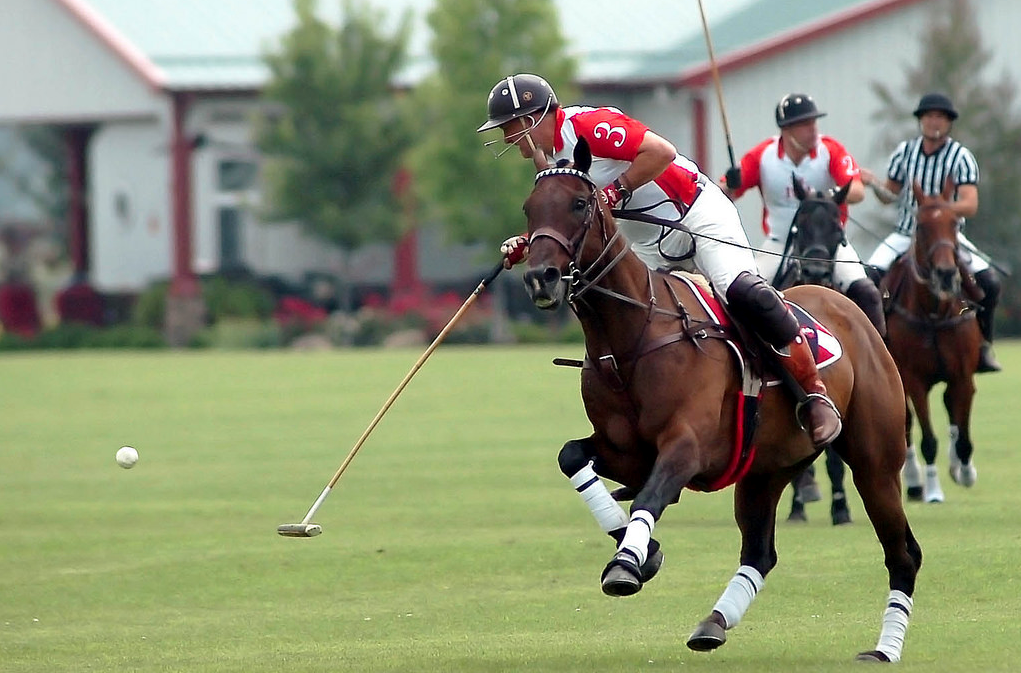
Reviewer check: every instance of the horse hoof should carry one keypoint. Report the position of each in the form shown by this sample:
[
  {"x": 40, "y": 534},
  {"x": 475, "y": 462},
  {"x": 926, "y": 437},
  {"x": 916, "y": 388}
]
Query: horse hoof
[
  {"x": 622, "y": 577},
  {"x": 933, "y": 490},
  {"x": 874, "y": 656},
  {"x": 707, "y": 636},
  {"x": 797, "y": 516},
  {"x": 915, "y": 493},
  {"x": 964, "y": 475},
  {"x": 841, "y": 516},
  {"x": 651, "y": 566}
]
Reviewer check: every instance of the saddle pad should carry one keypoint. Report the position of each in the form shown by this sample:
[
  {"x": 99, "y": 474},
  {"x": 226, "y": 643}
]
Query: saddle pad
[{"x": 825, "y": 346}]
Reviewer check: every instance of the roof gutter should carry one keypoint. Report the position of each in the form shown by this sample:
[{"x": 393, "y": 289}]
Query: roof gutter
[{"x": 700, "y": 74}]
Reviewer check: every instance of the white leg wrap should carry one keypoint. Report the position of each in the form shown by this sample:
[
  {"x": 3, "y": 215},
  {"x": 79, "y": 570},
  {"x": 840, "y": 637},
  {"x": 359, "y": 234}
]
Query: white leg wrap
[
  {"x": 639, "y": 532},
  {"x": 608, "y": 513},
  {"x": 895, "y": 624},
  {"x": 739, "y": 594},
  {"x": 912, "y": 471}
]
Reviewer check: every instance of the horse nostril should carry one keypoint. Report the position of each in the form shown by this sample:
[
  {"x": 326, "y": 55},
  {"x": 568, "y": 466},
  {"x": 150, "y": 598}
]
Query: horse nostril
[{"x": 551, "y": 275}]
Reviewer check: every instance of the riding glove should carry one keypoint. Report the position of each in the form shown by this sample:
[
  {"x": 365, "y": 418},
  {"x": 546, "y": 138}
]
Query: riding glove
[
  {"x": 514, "y": 250},
  {"x": 733, "y": 177},
  {"x": 616, "y": 193}
]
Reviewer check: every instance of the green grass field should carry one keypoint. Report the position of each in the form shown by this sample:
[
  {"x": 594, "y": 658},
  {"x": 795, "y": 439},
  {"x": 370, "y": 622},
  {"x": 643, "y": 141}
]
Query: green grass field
[{"x": 453, "y": 543}]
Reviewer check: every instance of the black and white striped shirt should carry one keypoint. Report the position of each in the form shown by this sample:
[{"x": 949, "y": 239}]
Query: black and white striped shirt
[{"x": 909, "y": 164}]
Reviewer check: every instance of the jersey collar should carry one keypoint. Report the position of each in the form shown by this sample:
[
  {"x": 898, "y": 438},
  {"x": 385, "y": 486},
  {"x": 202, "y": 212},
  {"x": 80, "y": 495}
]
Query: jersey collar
[
  {"x": 780, "y": 152},
  {"x": 558, "y": 138}
]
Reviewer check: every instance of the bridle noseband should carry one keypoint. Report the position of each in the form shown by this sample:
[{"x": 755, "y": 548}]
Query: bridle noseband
[{"x": 577, "y": 279}]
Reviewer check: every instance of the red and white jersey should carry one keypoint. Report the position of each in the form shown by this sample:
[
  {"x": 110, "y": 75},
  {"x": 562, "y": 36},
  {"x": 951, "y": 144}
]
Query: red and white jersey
[
  {"x": 614, "y": 139},
  {"x": 768, "y": 167}
]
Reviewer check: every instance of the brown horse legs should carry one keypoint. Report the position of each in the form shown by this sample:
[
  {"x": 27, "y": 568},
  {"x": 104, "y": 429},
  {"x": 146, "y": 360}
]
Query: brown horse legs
[
  {"x": 577, "y": 461},
  {"x": 625, "y": 573},
  {"x": 755, "y": 502}
]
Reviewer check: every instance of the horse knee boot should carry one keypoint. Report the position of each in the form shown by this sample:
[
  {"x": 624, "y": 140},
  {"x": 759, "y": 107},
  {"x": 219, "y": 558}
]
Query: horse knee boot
[
  {"x": 866, "y": 295},
  {"x": 823, "y": 418}
]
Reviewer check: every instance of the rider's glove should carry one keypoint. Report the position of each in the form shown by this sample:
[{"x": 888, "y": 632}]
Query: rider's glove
[
  {"x": 733, "y": 177},
  {"x": 615, "y": 193},
  {"x": 514, "y": 250}
]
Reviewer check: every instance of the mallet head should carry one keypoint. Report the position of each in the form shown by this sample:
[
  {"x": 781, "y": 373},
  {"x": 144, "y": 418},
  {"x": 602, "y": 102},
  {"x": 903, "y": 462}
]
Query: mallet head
[{"x": 299, "y": 529}]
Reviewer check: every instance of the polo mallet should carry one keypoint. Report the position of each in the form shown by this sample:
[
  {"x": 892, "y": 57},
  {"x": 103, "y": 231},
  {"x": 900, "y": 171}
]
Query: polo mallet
[
  {"x": 719, "y": 91},
  {"x": 307, "y": 529}
]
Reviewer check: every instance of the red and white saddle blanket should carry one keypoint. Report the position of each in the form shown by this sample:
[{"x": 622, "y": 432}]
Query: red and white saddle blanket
[{"x": 825, "y": 348}]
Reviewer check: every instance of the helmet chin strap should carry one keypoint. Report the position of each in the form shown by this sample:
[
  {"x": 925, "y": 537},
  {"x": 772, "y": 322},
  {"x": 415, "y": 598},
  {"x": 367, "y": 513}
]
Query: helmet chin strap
[{"x": 525, "y": 131}]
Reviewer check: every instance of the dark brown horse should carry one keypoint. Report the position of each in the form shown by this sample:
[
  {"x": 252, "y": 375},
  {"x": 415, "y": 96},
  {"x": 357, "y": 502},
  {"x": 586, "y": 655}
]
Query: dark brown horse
[
  {"x": 934, "y": 337},
  {"x": 662, "y": 396}
]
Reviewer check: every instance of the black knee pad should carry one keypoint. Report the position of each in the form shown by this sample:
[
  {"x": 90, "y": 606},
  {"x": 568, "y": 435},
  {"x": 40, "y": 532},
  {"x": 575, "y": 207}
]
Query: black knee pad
[
  {"x": 759, "y": 307},
  {"x": 866, "y": 295},
  {"x": 989, "y": 281},
  {"x": 573, "y": 457}
]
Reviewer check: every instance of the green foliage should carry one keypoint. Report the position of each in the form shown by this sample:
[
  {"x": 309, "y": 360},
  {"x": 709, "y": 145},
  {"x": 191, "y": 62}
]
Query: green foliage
[
  {"x": 337, "y": 134},
  {"x": 452, "y": 543},
  {"x": 952, "y": 60},
  {"x": 76, "y": 335},
  {"x": 236, "y": 299},
  {"x": 475, "y": 43},
  {"x": 224, "y": 298},
  {"x": 47, "y": 145},
  {"x": 151, "y": 305}
]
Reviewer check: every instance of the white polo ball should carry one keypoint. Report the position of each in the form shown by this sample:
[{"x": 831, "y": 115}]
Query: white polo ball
[{"x": 127, "y": 457}]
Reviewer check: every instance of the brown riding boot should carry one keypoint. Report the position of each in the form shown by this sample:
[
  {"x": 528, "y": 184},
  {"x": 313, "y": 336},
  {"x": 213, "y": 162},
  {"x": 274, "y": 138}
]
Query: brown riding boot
[{"x": 823, "y": 418}]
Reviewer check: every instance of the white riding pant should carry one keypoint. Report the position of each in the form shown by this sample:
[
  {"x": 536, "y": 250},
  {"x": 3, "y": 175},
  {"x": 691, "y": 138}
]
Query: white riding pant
[
  {"x": 847, "y": 268},
  {"x": 722, "y": 252},
  {"x": 896, "y": 244}
]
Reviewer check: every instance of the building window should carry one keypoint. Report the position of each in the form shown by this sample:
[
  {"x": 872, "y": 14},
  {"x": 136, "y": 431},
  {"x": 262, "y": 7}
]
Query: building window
[
  {"x": 230, "y": 225},
  {"x": 234, "y": 175}
]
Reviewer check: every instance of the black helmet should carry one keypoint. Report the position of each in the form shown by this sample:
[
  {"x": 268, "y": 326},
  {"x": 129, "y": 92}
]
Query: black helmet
[
  {"x": 936, "y": 101},
  {"x": 517, "y": 96},
  {"x": 796, "y": 107}
]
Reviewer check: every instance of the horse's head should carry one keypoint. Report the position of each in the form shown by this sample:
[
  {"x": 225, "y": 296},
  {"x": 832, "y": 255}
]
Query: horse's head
[
  {"x": 817, "y": 232},
  {"x": 934, "y": 248},
  {"x": 560, "y": 210}
]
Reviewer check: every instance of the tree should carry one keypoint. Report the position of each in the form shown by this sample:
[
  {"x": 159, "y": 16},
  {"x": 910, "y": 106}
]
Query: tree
[
  {"x": 475, "y": 43},
  {"x": 339, "y": 131},
  {"x": 952, "y": 60}
]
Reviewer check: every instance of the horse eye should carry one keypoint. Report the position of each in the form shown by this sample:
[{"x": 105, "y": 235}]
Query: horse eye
[{"x": 579, "y": 204}]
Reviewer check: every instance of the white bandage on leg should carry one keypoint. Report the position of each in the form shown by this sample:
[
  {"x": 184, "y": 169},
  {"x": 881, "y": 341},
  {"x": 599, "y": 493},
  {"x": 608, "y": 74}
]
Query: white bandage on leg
[
  {"x": 739, "y": 594},
  {"x": 639, "y": 532},
  {"x": 609, "y": 515},
  {"x": 895, "y": 624}
]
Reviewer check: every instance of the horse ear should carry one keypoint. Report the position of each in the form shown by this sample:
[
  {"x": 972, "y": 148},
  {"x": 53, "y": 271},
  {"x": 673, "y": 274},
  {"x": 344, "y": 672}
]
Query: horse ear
[
  {"x": 948, "y": 189},
  {"x": 799, "y": 189},
  {"x": 582, "y": 155},
  {"x": 916, "y": 189},
  {"x": 540, "y": 160},
  {"x": 841, "y": 194}
]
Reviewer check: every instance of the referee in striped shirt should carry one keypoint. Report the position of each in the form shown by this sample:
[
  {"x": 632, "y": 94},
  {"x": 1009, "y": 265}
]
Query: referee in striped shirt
[{"x": 930, "y": 159}]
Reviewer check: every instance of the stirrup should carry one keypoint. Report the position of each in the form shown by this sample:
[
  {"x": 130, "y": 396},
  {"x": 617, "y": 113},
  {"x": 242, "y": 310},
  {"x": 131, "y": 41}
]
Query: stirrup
[
  {"x": 987, "y": 360},
  {"x": 825, "y": 399}
]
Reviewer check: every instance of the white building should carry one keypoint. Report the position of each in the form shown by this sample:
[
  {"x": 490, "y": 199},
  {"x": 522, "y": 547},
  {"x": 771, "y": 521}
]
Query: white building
[{"x": 155, "y": 98}]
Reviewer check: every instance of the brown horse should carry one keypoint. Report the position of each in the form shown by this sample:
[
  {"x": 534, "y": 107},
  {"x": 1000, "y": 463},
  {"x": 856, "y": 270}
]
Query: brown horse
[
  {"x": 934, "y": 337},
  {"x": 663, "y": 397}
]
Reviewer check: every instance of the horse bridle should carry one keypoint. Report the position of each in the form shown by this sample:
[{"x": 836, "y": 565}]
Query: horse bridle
[
  {"x": 577, "y": 279},
  {"x": 924, "y": 275}
]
